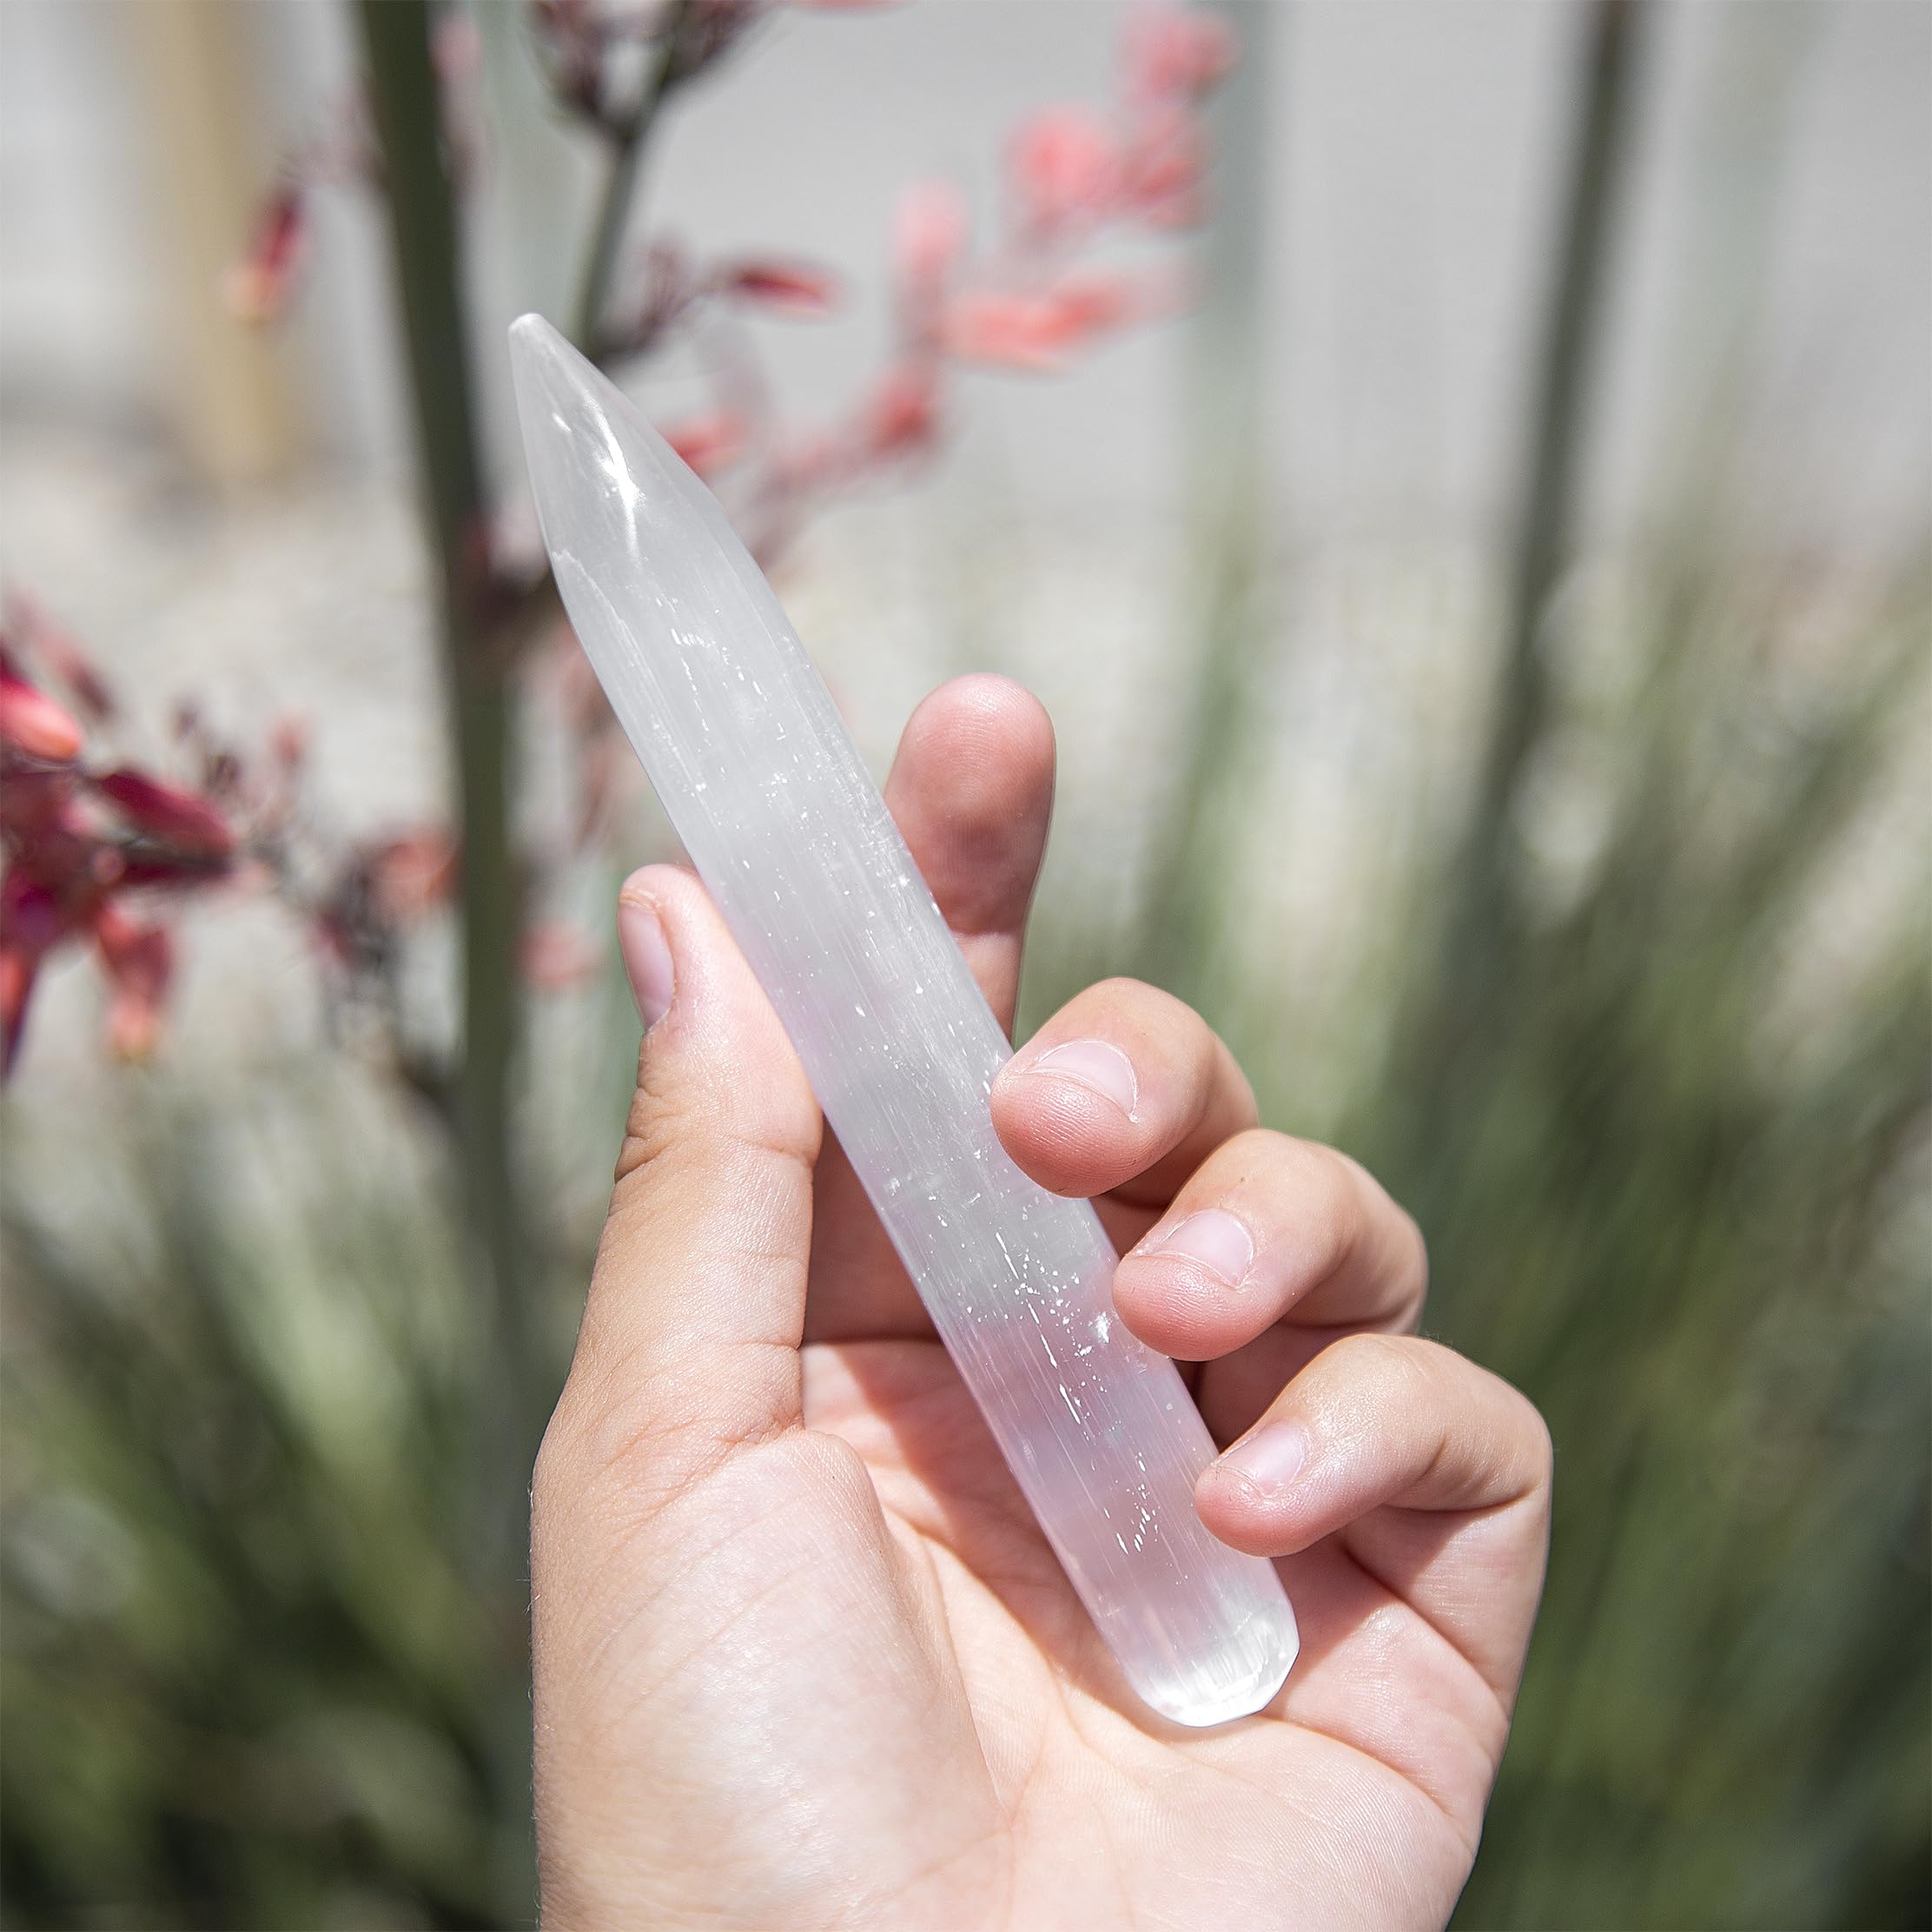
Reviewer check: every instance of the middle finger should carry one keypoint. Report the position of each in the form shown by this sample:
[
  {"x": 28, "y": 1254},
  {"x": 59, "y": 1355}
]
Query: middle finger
[{"x": 1271, "y": 1228}]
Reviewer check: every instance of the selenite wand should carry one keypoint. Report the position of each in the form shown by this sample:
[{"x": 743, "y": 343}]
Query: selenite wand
[{"x": 790, "y": 834}]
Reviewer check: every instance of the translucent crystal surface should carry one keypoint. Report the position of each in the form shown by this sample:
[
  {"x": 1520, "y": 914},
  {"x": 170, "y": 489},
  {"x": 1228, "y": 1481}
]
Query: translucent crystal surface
[{"x": 791, "y": 834}]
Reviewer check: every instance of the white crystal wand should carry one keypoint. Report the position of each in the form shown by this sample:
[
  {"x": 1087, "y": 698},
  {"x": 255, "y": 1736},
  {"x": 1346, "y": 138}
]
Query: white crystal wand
[{"x": 791, "y": 836}]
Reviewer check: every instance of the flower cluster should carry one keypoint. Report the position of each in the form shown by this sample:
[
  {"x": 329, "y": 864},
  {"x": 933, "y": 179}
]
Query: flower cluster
[
  {"x": 100, "y": 852},
  {"x": 1077, "y": 178},
  {"x": 1077, "y": 181},
  {"x": 90, "y": 849}
]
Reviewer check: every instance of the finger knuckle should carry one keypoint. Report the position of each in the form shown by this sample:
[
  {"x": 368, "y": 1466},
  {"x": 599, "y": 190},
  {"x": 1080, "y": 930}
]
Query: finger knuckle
[
  {"x": 551, "y": 1479},
  {"x": 1317, "y": 1190},
  {"x": 711, "y": 1116},
  {"x": 1150, "y": 1009},
  {"x": 1371, "y": 1353},
  {"x": 1401, "y": 1367},
  {"x": 1417, "y": 1243}
]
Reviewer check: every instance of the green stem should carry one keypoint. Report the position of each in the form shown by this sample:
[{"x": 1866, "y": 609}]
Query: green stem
[
  {"x": 425, "y": 231},
  {"x": 628, "y": 142},
  {"x": 1547, "y": 516},
  {"x": 512, "y": 1395}
]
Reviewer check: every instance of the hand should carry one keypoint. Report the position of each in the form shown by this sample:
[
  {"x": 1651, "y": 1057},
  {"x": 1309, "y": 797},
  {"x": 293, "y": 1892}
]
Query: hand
[{"x": 803, "y": 1657}]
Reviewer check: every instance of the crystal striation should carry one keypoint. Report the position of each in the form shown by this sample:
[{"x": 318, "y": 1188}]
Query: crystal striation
[{"x": 789, "y": 832}]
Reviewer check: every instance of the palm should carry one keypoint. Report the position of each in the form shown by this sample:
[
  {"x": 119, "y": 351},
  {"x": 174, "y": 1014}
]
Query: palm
[{"x": 959, "y": 1734}]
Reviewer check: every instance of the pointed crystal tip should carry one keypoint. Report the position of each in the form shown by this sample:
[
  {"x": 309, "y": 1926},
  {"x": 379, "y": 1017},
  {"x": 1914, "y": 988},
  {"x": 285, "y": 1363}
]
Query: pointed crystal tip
[
  {"x": 539, "y": 355},
  {"x": 601, "y": 475}
]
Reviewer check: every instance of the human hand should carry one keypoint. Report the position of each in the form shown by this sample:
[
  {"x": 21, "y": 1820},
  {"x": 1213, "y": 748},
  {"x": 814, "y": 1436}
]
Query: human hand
[{"x": 803, "y": 1657}]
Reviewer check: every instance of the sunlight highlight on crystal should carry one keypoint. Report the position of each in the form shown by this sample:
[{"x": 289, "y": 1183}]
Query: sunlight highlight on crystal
[{"x": 791, "y": 834}]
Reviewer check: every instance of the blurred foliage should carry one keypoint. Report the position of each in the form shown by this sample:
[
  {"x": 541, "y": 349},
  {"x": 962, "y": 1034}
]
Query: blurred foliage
[
  {"x": 1668, "y": 1142},
  {"x": 1670, "y": 1154},
  {"x": 247, "y": 1680}
]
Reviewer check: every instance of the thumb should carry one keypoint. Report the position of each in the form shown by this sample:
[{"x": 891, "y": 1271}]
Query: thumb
[{"x": 689, "y": 1346}]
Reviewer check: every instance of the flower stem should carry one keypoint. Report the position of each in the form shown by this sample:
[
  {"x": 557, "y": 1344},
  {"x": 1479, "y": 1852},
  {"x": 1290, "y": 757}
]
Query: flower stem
[
  {"x": 514, "y": 1391},
  {"x": 425, "y": 234},
  {"x": 627, "y": 144}
]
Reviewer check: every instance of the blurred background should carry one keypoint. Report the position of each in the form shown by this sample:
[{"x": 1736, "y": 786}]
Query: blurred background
[{"x": 1461, "y": 480}]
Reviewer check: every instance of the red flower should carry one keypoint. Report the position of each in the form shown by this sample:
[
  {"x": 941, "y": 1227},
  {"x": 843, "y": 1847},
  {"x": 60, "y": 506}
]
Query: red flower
[
  {"x": 257, "y": 288},
  {"x": 1064, "y": 168},
  {"x": 794, "y": 289},
  {"x": 31, "y": 723},
  {"x": 1172, "y": 53},
  {"x": 708, "y": 443},
  {"x": 189, "y": 825},
  {"x": 18, "y": 969},
  {"x": 60, "y": 651},
  {"x": 30, "y": 927}
]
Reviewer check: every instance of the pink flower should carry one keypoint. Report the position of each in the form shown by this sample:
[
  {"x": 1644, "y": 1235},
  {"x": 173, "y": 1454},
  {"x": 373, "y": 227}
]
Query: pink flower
[
  {"x": 31, "y": 723},
  {"x": 1172, "y": 53},
  {"x": 555, "y": 956},
  {"x": 411, "y": 873},
  {"x": 928, "y": 237},
  {"x": 1086, "y": 306},
  {"x": 178, "y": 818},
  {"x": 1036, "y": 331},
  {"x": 794, "y": 289},
  {"x": 1165, "y": 168},
  {"x": 257, "y": 287},
  {"x": 289, "y": 742},
  {"x": 708, "y": 443},
  {"x": 1064, "y": 167},
  {"x": 139, "y": 961},
  {"x": 901, "y": 416},
  {"x": 1018, "y": 332},
  {"x": 57, "y": 647}
]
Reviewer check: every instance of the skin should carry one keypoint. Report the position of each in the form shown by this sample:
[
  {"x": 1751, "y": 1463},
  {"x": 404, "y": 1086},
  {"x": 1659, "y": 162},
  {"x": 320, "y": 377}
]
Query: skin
[{"x": 802, "y": 1656}]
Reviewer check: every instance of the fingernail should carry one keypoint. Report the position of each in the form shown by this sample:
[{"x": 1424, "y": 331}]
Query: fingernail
[
  {"x": 1100, "y": 1068},
  {"x": 1213, "y": 1238},
  {"x": 640, "y": 938},
  {"x": 1271, "y": 1458}
]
